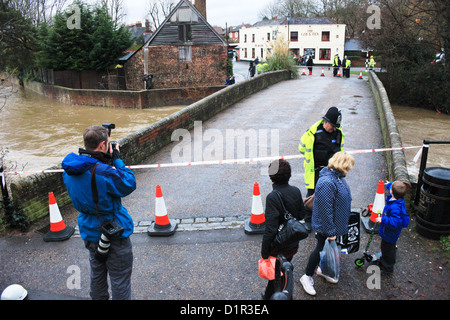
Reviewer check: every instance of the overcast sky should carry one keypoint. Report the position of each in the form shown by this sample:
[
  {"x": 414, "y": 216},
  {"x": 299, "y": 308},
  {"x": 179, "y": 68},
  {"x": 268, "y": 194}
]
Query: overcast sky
[{"x": 219, "y": 12}]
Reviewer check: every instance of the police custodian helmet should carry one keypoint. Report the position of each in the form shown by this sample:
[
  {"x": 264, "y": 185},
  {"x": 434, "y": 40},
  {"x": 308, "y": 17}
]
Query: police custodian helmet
[{"x": 333, "y": 116}]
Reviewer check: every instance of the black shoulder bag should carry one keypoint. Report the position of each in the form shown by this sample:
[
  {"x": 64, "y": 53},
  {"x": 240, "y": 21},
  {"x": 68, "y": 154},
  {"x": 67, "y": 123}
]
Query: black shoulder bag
[{"x": 290, "y": 231}]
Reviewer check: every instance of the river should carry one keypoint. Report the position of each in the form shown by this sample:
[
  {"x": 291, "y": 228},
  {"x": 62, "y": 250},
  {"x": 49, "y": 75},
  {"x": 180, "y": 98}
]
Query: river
[
  {"x": 39, "y": 132},
  {"x": 416, "y": 125}
]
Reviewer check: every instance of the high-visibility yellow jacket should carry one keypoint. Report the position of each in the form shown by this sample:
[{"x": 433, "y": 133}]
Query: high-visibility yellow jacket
[
  {"x": 372, "y": 63},
  {"x": 348, "y": 63},
  {"x": 306, "y": 148},
  {"x": 336, "y": 62}
]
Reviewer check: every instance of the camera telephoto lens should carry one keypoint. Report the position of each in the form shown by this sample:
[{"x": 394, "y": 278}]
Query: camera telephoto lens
[{"x": 103, "y": 248}]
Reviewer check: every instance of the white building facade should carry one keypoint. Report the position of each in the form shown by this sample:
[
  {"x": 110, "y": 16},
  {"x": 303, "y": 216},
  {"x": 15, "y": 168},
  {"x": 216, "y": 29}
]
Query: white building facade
[{"x": 318, "y": 37}]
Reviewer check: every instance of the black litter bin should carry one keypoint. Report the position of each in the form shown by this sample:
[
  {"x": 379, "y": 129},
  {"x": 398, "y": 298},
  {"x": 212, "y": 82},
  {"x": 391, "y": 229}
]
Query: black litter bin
[{"x": 433, "y": 214}]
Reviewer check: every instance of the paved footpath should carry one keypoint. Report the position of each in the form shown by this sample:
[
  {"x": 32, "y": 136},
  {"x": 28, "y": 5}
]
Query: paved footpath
[{"x": 210, "y": 257}]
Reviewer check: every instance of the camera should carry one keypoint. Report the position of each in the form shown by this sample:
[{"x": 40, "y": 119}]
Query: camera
[
  {"x": 110, "y": 230},
  {"x": 113, "y": 145},
  {"x": 101, "y": 253},
  {"x": 109, "y": 126}
]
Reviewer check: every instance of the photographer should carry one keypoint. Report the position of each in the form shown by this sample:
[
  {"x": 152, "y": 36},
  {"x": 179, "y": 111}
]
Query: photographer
[{"x": 96, "y": 189}]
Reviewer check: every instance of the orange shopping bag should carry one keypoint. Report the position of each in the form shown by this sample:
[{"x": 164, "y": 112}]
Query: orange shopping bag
[{"x": 267, "y": 268}]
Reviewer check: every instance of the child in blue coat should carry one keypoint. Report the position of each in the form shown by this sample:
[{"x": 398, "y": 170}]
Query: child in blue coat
[{"x": 393, "y": 220}]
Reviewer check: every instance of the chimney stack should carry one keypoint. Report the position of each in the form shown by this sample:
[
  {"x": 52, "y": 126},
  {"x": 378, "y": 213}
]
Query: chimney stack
[{"x": 201, "y": 6}]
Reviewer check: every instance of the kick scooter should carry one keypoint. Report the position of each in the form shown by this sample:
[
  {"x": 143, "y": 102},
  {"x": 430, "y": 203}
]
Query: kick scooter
[{"x": 366, "y": 255}]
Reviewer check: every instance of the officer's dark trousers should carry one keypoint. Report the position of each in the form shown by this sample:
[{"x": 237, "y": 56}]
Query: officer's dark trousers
[{"x": 335, "y": 70}]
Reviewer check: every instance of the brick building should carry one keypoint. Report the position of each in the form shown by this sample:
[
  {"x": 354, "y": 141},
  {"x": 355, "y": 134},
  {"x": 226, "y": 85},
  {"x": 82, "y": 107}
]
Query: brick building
[{"x": 185, "y": 51}]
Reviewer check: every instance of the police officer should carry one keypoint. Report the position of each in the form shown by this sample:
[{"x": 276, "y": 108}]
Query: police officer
[
  {"x": 319, "y": 143},
  {"x": 336, "y": 64},
  {"x": 346, "y": 63},
  {"x": 371, "y": 63}
]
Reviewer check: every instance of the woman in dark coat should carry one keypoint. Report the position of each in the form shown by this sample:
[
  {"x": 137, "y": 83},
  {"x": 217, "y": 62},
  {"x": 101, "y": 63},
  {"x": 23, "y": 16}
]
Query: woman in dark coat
[{"x": 280, "y": 173}]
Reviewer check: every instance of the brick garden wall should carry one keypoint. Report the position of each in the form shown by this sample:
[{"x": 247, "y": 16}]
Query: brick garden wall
[{"x": 122, "y": 98}]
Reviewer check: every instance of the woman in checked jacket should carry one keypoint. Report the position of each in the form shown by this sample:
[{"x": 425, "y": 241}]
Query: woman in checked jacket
[{"x": 331, "y": 211}]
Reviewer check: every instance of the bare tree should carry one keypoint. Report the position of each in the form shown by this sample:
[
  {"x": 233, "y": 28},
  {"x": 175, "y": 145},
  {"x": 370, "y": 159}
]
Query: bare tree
[
  {"x": 7, "y": 90},
  {"x": 159, "y": 10},
  {"x": 271, "y": 11},
  {"x": 38, "y": 10},
  {"x": 349, "y": 12},
  {"x": 294, "y": 8},
  {"x": 115, "y": 9}
]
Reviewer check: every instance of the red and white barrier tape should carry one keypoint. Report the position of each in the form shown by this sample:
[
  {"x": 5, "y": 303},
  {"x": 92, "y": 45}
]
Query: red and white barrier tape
[{"x": 216, "y": 162}]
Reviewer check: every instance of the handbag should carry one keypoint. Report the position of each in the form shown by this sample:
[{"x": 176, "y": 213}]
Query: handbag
[
  {"x": 309, "y": 202},
  {"x": 290, "y": 231}
]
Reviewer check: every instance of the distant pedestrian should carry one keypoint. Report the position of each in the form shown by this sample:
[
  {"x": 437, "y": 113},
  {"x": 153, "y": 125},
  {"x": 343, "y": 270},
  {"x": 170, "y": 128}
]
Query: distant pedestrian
[
  {"x": 230, "y": 80},
  {"x": 252, "y": 69},
  {"x": 309, "y": 63},
  {"x": 304, "y": 59},
  {"x": 393, "y": 220},
  {"x": 147, "y": 79},
  {"x": 346, "y": 63},
  {"x": 332, "y": 207},
  {"x": 336, "y": 64},
  {"x": 280, "y": 173},
  {"x": 371, "y": 63}
]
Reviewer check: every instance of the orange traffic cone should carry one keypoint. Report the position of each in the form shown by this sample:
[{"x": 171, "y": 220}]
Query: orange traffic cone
[
  {"x": 58, "y": 230},
  {"x": 162, "y": 226},
  {"x": 339, "y": 72},
  {"x": 360, "y": 75},
  {"x": 323, "y": 72},
  {"x": 379, "y": 202},
  {"x": 256, "y": 223},
  {"x": 304, "y": 71}
]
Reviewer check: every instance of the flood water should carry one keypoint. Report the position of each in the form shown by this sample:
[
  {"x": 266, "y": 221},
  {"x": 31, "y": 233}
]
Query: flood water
[
  {"x": 416, "y": 125},
  {"x": 40, "y": 132}
]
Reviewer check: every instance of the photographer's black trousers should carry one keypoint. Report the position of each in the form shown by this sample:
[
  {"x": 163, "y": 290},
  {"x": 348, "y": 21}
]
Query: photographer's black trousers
[{"x": 119, "y": 266}]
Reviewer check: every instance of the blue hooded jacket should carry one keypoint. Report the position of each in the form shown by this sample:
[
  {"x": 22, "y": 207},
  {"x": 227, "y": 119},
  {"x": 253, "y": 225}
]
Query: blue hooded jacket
[
  {"x": 113, "y": 183},
  {"x": 332, "y": 204},
  {"x": 394, "y": 218}
]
